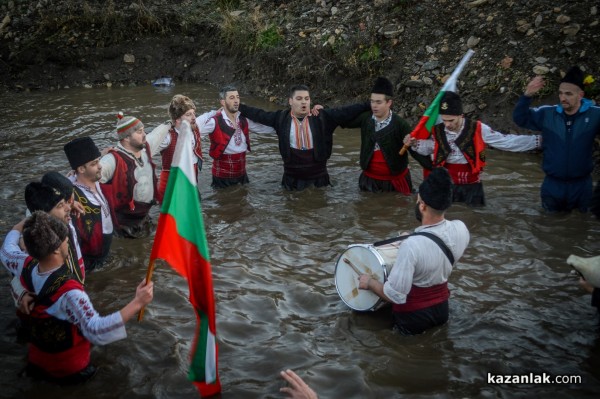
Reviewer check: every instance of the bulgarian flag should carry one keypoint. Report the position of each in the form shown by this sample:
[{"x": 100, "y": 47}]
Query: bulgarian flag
[
  {"x": 431, "y": 116},
  {"x": 181, "y": 241}
]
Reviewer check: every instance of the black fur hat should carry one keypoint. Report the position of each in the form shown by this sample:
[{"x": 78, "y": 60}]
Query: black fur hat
[
  {"x": 574, "y": 76},
  {"x": 436, "y": 189},
  {"x": 383, "y": 86},
  {"x": 41, "y": 197},
  {"x": 59, "y": 182},
  {"x": 81, "y": 151},
  {"x": 451, "y": 104}
]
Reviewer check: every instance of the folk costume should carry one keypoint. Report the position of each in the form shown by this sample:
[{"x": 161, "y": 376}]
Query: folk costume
[
  {"x": 383, "y": 168},
  {"x": 64, "y": 325},
  {"x": 95, "y": 227},
  {"x": 305, "y": 144},
  {"x": 463, "y": 152},
  {"x": 568, "y": 143},
  {"x": 129, "y": 183},
  {"x": 418, "y": 282}
]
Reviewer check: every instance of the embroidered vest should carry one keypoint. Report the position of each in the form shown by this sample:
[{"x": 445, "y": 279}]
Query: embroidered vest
[
  {"x": 167, "y": 153},
  {"x": 223, "y": 133},
  {"x": 56, "y": 346},
  {"x": 469, "y": 141},
  {"x": 119, "y": 190},
  {"x": 89, "y": 225},
  {"x": 390, "y": 140}
]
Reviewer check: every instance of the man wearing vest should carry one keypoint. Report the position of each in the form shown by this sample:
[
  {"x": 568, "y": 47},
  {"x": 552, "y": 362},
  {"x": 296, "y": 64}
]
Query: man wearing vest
[
  {"x": 569, "y": 130},
  {"x": 94, "y": 227},
  {"x": 128, "y": 177},
  {"x": 382, "y": 134},
  {"x": 458, "y": 144},
  {"x": 305, "y": 140},
  {"x": 417, "y": 285},
  {"x": 64, "y": 323},
  {"x": 229, "y": 139},
  {"x": 181, "y": 108}
]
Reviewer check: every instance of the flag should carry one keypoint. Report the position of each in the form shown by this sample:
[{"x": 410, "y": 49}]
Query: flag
[
  {"x": 181, "y": 241},
  {"x": 430, "y": 117}
]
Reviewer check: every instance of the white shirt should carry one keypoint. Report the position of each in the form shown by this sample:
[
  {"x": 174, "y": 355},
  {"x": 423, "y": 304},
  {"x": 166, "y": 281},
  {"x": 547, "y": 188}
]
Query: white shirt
[
  {"x": 207, "y": 125},
  {"x": 420, "y": 261},
  {"x": 501, "y": 141},
  {"x": 75, "y": 307},
  {"x": 97, "y": 199},
  {"x": 143, "y": 191}
]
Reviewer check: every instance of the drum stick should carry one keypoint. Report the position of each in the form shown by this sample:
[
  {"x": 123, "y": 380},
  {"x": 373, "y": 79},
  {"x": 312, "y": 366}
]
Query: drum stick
[{"x": 353, "y": 267}]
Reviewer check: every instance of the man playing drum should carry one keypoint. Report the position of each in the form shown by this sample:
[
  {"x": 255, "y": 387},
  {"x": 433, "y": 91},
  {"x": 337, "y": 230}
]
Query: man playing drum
[{"x": 418, "y": 282}]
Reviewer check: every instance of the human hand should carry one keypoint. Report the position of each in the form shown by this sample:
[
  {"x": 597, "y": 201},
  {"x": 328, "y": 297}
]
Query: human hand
[
  {"x": 105, "y": 151},
  {"x": 77, "y": 209},
  {"x": 363, "y": 281},
  {"x": 25, "y": 304},
  {"x": 144, "y": 293},
  {"x": 410, "y": 140},
  {"x": 534, "y": 86},
  {"x": 298, "y": 389},
  {"x": 585, "y": 285},
  {"x": 315, "y": 110}
]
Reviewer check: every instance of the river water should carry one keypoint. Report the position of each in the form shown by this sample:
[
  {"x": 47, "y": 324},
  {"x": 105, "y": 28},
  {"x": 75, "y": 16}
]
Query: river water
[{"x": 515, "y": 307}]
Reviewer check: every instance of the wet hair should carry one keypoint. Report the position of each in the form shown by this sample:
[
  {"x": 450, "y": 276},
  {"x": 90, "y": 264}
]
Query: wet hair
[
  {"x": 43, "y": 234},
  {"x": 225, "y": 89},
  {"x": 296, "y": 88}
]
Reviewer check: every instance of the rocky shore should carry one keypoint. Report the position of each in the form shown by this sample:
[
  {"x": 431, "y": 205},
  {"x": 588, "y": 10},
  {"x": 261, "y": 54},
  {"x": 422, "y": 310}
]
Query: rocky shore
[{"x": 337, "y": 47}]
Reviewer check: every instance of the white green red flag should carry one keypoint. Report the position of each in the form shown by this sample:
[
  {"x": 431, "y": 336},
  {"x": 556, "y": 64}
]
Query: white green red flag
[
  {"x": 431, "y": 116},
  {"x": 181, "y": 241}
]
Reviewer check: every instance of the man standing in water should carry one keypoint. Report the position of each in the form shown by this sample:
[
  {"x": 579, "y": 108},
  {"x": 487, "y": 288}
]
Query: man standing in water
[
  {"x": 94, "y": 227},
  {"x": 568, "y": 132},
  {"x": 418, "y": 282},
  {"x": 64, "y": 322},
  {"x": 128, "y": 177},
  {"x": 229, "y": 134},
  {"x": 305, "y": 141}
]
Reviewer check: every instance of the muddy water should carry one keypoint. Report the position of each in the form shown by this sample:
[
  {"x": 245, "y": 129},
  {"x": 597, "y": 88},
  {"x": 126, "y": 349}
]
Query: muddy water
[{"x": 515, "y": 307}]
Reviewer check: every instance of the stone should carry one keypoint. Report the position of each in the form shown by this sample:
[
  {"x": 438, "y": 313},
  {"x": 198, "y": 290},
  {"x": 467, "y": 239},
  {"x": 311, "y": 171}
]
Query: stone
[
  {"x": 563, "y": 19},
  {"x": 429, "y": 65},
  {"x": 334, "y": 10},
  {"x": 482, "y": 81},
  {"x": 541, "y": 70},
  {"x": 541, "y": 60},
  {"x": 236, "y": 13},
  {"x": 571, "y": 30},
  {"x": 414, "y": 83},
  {"x": 473, "y": 41},
  {"x": 506, "y": 62},
  {"x": 129, "y": 58}
]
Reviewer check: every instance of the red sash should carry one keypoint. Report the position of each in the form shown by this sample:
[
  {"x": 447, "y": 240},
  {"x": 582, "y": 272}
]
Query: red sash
[
  {"x": 379, "y": 170},
  {"x": 423, "y": 297}
]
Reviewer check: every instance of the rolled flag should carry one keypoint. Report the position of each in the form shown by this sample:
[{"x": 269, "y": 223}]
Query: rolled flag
[
  {"x": 431, "y": 116},
  {"x": 588, "y": 267}
]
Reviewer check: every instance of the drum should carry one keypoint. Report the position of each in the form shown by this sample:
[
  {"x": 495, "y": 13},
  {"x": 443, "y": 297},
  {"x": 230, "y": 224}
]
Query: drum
[{"x": 363, "y": 259}]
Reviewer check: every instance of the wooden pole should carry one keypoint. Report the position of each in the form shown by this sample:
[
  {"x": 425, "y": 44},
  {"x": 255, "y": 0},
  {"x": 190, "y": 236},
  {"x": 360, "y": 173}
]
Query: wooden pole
[{"x": 148, "y": 279}]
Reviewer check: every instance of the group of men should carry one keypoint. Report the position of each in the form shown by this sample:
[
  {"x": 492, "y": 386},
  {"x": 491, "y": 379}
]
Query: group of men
[{"x": 114, "y": 193}]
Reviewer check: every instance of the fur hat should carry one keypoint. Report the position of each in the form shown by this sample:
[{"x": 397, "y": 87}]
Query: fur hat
[
  {"x": 451, "y": 104},
  {"x": 180, "y": 104},
  {"x": 81, "y": 151},
  {"x": 41, "y": 197},
  {"x": 59, "y": 182},
  {"x": 43, "y": 234},
  {"x": 127, "y": 125},
  {"x": 383, "y": 86},
  {"x": 574, "y": 76},
  {"x": 436, "y": 189}
]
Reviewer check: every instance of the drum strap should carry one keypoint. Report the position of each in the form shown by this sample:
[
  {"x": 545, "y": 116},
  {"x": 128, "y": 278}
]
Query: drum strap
[{"x": 432, "y": 237}]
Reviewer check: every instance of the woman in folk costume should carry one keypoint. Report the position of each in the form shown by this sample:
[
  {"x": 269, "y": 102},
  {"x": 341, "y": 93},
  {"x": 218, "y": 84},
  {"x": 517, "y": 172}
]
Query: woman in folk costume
[{"x": 458, "y": 144}]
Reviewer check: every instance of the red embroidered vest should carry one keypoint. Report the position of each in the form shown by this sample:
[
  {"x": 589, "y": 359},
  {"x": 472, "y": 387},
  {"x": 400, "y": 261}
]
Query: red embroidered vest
[
  {"x": 167, "y": 153},
  {"x": 56, "y": 346},
  {"x": 89, "y": 225},
  {"x": 220, "y": 137},
  {"x": 470, "y": 142}
]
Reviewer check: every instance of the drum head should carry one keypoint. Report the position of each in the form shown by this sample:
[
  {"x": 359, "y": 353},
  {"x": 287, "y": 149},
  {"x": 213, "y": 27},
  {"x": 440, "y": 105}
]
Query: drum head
[{"x": 366, "y": 261}]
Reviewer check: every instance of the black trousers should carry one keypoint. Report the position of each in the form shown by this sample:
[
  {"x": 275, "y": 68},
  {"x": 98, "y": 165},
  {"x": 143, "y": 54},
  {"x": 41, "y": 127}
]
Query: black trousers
[{"x": 413, "y": 323}]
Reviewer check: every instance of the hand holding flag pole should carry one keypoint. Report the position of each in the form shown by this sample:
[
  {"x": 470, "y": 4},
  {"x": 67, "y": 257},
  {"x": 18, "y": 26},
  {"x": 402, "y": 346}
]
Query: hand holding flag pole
[{"x": 430, "y": 117}]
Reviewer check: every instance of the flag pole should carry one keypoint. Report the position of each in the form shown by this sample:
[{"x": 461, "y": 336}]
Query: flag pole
[
  {"x": 450, "y": 85},
  {"x": 148, "y": 279}
]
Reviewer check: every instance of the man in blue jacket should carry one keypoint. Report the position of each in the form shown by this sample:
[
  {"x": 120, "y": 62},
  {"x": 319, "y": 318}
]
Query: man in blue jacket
[{"x": 568, "y": 132}]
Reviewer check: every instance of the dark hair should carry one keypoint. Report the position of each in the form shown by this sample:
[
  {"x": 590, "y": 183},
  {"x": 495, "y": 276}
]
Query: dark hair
[
  {"x": 43, "y": 234},
  {"x": 225, "y": 89},
  {"x": 296, "y": 88}
]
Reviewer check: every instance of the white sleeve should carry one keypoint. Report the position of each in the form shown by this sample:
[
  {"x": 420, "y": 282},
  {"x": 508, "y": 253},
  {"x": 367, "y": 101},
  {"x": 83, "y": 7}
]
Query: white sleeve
[
  {"x": 109, "y": 164},
  {"x": 256, "y": 127},
  {"x": 75, "y": 307},
  {"x": 424, "y": 147},
  {"x": 165, "y": 143},
  {"x": 17, "y": 289},
  {"x": 157, "y": 136},
  {"x": 509, "y": 142},
  {"x": 12, "y": 256},
  {"x": 399, "y": 284},
  {"x": 205, "y": 122}
]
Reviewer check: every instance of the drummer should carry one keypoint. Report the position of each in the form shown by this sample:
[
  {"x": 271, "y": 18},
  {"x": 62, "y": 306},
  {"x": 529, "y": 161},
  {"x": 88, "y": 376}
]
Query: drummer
[{"x": 418, "y": 282}]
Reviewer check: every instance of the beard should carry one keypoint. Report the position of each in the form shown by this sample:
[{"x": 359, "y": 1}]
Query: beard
[{"x": 418, "y": 214}]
